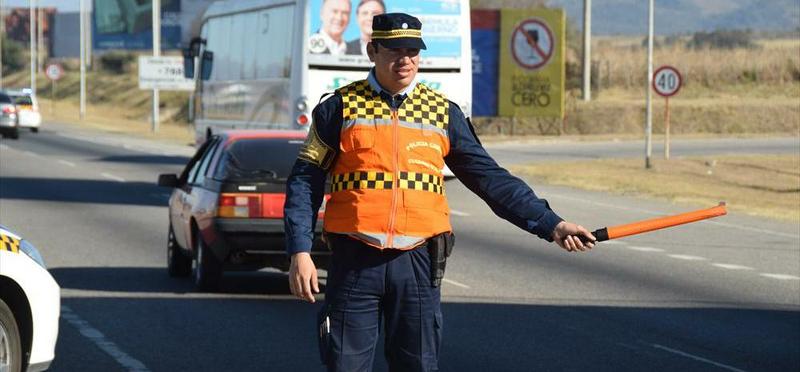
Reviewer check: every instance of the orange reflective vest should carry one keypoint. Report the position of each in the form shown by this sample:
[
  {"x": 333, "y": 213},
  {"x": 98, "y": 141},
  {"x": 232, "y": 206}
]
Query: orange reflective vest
[{"x": 387, "y": 187}]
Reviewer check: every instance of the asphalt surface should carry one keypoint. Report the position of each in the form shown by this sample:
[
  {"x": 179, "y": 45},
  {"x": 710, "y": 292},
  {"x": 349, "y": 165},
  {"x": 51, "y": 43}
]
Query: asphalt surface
[{"x": 715, "y": 295}]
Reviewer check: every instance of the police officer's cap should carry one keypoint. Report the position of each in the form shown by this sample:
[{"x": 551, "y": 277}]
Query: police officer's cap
[{"x": 397, "y": 30}]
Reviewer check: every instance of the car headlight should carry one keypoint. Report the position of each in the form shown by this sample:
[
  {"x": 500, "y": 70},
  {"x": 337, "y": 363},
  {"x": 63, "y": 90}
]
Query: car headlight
[{"x": 32, "y": 252}]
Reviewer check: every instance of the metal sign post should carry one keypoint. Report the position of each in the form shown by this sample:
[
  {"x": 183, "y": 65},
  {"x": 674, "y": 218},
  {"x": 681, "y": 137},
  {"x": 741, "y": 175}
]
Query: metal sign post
[
  {"x": 83, "y": 57},
  {"x": 666, "y": 82},
  {"x": 53, "y": 72},
  {"x": 156, "y": 53},
  {"x": 32, "y": 37},
  {"x": 648, "y": 145}
]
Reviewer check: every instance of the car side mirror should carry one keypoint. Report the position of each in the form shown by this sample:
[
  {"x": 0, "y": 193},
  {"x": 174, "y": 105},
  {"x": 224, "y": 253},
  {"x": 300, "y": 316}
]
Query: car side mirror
[
  {"x": 188, "y": 64},
  {"x": 168, "y": 180},
  {"x": 206, "y": 65}
]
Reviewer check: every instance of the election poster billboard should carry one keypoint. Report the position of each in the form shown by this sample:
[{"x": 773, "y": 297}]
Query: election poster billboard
[
  {"x": 128, "y": 24},
  {"x": 340, "y": 29},
  {"x": 532, "y": 70}
]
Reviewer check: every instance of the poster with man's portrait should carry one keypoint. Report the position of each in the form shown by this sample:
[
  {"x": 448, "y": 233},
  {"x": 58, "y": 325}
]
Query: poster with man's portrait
[{"x": 341, "y": 29}]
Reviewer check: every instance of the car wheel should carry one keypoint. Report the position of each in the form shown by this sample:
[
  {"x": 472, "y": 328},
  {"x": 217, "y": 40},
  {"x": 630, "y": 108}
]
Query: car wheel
[
  {"x": 10, "y": 344},
  {"x": 207, "y": 269},
  {"x": 14, "y": 133},
  {"x": 35, "y": 130},
  {"x": 179, "y": 264}
]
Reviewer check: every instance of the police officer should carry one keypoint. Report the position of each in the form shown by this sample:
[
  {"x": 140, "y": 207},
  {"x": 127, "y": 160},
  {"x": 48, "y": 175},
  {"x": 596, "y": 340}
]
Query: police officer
[{"x": 384, "y": 141}]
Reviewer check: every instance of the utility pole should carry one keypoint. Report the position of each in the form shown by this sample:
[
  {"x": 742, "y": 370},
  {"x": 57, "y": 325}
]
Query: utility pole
[
  {"x": 2, "y": 35},
  {"x": 40, "y": 40},
  {"x": 32, "y": 37},
  {"x": 83, "y": 57},
  {"x": 156, "y": 53},
  {"x": 649, "y": 131},
  {"x": 587, "y": 50}
]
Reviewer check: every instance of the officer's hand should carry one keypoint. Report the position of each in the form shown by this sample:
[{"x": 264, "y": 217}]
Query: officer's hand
[
  {"x": 567, "y": 236},
  {"x": 303, "y": 277}
]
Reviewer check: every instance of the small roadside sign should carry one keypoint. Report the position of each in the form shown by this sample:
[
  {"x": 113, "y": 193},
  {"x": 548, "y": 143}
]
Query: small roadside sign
[
  {"x": 163, "y": 73},
  {"x": 54, "y": 71},
  {"x": 667, "y": 81}
]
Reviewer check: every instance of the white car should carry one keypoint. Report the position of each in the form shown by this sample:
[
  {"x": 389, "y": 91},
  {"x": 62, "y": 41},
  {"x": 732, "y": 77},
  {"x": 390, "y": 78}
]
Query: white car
[
  {"x": 30, "y": 305},
  {"x": 28, "y": 109}
]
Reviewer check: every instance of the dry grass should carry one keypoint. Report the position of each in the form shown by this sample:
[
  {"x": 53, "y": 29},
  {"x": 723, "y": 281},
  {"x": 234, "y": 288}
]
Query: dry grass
[
  {"x": 761, "y": 185},
  {"x": 622, "y": 62}
]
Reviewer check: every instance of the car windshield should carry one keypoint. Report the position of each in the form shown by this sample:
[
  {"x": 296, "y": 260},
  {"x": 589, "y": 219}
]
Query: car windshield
[
  {"x": 259, "y": 158},
  {"x": 23, "y": 100}
]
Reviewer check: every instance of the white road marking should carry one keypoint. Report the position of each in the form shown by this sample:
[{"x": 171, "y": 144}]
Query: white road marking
[
  {"x": 112, "y": 177},
  {"x": 613, "y": 242},
  {"x": 31, "y": 154},
  {"x": 695, "y": 357},
  {"x": 97, "y": 337},
  {"x": 645, "y": 249},
  {"x": 780, "y": 276},
  {"x": 728, "y": 225},
  {"x": 687, "y": 257},
  {"x": 4, "y": 147},
  {"x": 732, "y": 266},
  {"x": 455, "y": 283},
  {"x": 459, "y": 213},
  {"x": 69, "y": 164}
]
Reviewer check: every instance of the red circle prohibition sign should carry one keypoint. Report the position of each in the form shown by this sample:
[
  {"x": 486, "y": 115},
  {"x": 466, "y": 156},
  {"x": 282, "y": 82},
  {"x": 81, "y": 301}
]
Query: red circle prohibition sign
[
  {"x": 534, "y": 44},
  {"x": 671, "y": 91}
]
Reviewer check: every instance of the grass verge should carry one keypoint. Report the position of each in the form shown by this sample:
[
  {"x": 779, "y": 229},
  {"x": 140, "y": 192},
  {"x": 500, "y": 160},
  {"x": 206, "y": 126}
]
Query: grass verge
[{"x": 760, "y": 185}]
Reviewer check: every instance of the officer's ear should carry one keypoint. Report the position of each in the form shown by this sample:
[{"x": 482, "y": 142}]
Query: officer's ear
[{"x": 372, "y": 49}]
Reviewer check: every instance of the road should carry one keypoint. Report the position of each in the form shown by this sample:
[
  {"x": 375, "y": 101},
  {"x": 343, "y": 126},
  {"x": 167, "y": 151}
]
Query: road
[{"x": 716, "y": 295}]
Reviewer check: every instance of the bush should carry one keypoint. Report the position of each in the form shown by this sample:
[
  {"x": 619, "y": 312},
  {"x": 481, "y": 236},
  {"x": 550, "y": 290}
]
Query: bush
[
  {"x": 14, "y": 55},
  {"x": 117, "y": 61},
  {"x": 722, "y": 39}
]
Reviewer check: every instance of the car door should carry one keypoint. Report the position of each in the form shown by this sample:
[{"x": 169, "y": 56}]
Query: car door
[
  {"x": 194, "y": 189},
  {"x": 204, "y": 194},
  {"x": 177, "y": 204}
]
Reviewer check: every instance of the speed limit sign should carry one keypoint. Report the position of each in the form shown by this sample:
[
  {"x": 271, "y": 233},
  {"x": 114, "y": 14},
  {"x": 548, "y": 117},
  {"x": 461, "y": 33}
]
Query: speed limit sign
[{"x": 667, "y": 81}]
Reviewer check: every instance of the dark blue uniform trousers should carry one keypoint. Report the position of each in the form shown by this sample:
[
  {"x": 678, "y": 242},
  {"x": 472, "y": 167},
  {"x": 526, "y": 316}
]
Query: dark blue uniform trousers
[{"x": 366, "y": 285}]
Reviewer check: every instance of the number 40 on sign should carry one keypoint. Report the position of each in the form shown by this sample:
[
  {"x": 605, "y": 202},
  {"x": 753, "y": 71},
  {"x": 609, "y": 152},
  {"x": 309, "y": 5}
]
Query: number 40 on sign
[{"x": 667, "y": 82}]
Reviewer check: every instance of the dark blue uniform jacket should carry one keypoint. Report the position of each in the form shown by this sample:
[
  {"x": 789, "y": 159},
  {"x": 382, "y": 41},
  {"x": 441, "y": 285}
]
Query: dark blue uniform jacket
[{"x": 508, "y": 196}]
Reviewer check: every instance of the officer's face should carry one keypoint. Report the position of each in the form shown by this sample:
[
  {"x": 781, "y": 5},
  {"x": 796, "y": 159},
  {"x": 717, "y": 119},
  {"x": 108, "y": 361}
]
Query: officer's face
[{"x": 395, "y": 68}]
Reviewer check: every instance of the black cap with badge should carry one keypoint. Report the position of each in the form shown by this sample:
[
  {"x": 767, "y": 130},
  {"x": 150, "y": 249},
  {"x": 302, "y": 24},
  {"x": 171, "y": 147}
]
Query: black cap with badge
[{"x": 397, "y": 30}]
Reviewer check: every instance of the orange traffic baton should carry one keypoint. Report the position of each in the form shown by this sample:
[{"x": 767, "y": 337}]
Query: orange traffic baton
[{"x": 608, "y": 233}]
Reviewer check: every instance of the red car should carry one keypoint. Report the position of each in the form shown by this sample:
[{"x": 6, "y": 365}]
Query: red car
[{"x": 226, "y": 209}]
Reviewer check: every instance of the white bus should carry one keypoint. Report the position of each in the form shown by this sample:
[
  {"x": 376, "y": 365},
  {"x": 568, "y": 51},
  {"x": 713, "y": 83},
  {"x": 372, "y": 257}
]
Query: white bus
[{"x": 264, "y": 64}]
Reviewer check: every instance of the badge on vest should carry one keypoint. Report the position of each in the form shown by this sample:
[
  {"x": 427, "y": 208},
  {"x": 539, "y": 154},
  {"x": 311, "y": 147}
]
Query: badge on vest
[{"x": 316, "y": 152}]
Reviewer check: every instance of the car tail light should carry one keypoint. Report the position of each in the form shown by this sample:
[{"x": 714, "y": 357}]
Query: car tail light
[
  {"x": 302, "y": 119},
  {"x": 9, "y": 110},
  {"x": 239, "y": 205}
]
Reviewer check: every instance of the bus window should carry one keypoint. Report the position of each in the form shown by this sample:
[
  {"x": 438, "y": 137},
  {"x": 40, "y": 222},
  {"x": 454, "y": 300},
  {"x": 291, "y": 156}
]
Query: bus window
[{"x": 273, "y": 59}]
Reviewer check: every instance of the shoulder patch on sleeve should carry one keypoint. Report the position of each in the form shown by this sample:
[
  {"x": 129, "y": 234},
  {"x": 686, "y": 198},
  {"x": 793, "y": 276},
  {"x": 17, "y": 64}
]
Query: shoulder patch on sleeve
[{"x": 315, "y": 151}]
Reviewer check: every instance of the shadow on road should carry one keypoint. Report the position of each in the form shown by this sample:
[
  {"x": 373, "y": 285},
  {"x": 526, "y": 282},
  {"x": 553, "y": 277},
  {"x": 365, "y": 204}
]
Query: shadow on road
[
  {"x": 155, "y": 280},
  {"x": 280, "y": 335},
  {"x": 146, "y": 159},
  {"x": 83, "y": 191}
]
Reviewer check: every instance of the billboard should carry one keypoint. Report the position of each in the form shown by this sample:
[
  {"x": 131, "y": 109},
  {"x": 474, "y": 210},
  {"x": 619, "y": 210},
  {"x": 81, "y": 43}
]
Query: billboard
[
  {"x": 485, "y": 49},
  {"x": 128, "y": 24},
  {"x": 18, "y": 23},
  {"x": 532, "y": 72},
  {"x": 340, "y": 29}
]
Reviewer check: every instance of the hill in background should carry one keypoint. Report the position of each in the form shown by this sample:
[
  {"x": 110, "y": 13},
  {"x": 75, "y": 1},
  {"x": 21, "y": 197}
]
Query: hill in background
[{"x": 629, "y": 17}]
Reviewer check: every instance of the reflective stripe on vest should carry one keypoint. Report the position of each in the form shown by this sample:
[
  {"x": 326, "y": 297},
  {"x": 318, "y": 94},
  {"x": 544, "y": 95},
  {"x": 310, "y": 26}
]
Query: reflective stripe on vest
[{"x": 387, "y": 187}]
